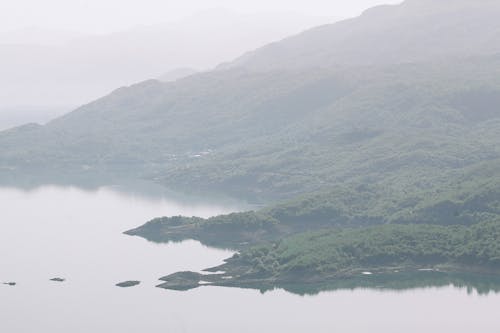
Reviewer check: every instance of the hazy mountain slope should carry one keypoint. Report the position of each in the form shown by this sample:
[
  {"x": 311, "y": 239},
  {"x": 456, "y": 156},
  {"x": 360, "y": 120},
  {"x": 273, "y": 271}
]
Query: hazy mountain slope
[
  {"x": 154, "y": 122},
  {"x": 416, "y": 30},
  {"x": 403, "y": 123},
  {"x": 280, "y": 133}
]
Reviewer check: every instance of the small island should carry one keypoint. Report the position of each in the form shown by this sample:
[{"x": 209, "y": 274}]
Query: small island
[
  {"x": 57, "y": 279},
  {"x": 128, "y": 284}
]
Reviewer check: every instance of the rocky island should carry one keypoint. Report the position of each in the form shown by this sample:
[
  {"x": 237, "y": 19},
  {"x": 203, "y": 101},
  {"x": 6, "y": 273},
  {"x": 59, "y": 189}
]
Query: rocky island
[
  {"x": 57, "y": 279},
  {"x": 128, "y": 284}
]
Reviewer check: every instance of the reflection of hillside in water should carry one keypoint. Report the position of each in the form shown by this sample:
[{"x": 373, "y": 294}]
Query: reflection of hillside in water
[
  {"x": 473, "y": 283},
  {"x": 123, "y": 184}
]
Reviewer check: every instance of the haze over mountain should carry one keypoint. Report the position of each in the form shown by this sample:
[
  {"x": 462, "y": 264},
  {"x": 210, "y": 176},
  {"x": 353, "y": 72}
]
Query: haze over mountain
[
  {"x": 416, "y": 30},
  {"x": 50, "y": 69},
  {"x": 283, "y": 131}
]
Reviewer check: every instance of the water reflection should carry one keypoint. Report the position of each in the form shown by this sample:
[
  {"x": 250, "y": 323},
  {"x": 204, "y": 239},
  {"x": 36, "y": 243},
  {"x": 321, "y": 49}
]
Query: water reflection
[
  {"x": 401, "y": 281},
  {"x": 118, "y": 183}
]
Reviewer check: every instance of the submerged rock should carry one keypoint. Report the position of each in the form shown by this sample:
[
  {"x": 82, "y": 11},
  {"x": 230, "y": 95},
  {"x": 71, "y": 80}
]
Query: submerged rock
[
  {"x": 128, "y": 284},
  {"x": 58, "y": 279}
]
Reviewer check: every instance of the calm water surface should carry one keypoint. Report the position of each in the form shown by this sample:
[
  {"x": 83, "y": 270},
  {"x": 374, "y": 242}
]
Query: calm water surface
[{"x": 76, "y": 234}]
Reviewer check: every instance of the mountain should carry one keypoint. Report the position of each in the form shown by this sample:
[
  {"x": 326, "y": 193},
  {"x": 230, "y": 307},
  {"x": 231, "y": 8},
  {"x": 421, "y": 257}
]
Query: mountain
[
  {"x": 268, "y": 135},
  {"x": 414, "y": 31},
  {"x": 296, "y": 132}
]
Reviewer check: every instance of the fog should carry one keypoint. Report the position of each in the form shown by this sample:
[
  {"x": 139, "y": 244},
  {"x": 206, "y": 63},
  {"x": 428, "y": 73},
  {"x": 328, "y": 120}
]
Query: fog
[
  {"x": 115, "y": 15},
  {"x": 58, "y": 55}
]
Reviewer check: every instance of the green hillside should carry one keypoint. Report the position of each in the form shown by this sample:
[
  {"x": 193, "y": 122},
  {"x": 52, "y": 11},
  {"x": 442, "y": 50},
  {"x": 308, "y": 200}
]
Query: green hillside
[
  {"x": 318, "y": 256},
  {"x": 278, "y": 135},
  {"x": 410, "y": 32}
]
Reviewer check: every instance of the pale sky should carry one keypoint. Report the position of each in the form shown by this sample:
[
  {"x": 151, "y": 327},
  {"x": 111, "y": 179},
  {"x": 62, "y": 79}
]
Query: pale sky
[{"x": 103, "y": 16}]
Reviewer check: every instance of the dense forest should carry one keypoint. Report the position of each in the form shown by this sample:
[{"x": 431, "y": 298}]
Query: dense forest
[
  {"x": 385, "y": 256},
  {"x": 341, "y": 251}
]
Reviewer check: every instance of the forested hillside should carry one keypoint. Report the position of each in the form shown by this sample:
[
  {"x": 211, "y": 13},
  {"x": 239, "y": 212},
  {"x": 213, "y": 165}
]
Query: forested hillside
[
  {"x": 413, "y": 31},
  {"x": 402, "y": 128}
]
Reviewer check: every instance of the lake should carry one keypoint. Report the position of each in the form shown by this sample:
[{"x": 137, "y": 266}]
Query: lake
[{"x": 76, "y": 234}]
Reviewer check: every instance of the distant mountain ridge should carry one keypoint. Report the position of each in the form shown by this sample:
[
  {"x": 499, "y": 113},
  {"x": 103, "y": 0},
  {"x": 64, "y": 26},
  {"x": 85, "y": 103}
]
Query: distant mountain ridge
[{"x": 414, "y": 31}]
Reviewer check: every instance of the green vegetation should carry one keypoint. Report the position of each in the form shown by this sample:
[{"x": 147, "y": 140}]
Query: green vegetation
[
  {"x": 416, "y": 128},
  {"x": 344, "y": 251},
  {"x": 386, "y": 256},
  {"x": 402, "y": 129},
  {"x": 314, "y": 241},
  {"x": 475, "y": 200},
  {"x": 226, "y": 231}
]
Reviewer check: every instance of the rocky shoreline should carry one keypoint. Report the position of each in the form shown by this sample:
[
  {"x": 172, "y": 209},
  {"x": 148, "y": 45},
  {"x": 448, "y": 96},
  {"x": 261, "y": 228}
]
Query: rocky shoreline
[
  {"x": 396, "y": 277},
  {"x": 483, "y": 281}
]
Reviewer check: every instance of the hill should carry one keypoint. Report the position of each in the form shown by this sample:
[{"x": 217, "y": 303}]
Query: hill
[
  {"x": 307, "y": 126},
  {"x": 413, "y": 31},
  {"x": 312, "y": 131}
]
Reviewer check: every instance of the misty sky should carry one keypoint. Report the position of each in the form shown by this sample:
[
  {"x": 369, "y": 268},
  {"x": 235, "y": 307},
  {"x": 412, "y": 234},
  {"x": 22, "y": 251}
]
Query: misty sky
[{"x": 101, "y": 16}]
